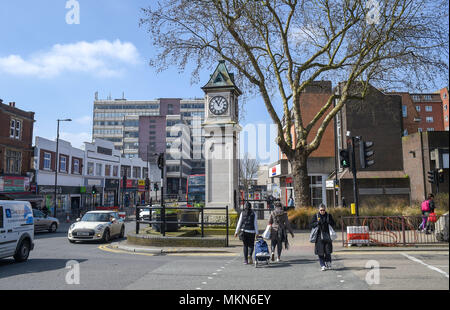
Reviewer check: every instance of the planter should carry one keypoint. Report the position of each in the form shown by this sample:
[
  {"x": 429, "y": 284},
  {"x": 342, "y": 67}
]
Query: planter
[
  {"x": 190, "y": 216},
  {"x": 169, "y": 218}
]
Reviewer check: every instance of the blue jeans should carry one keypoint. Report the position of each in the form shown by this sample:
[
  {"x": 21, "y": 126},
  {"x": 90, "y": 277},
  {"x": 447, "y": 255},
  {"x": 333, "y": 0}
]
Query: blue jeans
[{"x": 323, "y": 259}]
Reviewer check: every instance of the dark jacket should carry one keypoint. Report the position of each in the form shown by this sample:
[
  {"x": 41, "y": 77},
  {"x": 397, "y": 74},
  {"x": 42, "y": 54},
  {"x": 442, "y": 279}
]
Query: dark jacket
[
  {"x": 280, "y": 225},
  {"x": 324, "y": 244}
]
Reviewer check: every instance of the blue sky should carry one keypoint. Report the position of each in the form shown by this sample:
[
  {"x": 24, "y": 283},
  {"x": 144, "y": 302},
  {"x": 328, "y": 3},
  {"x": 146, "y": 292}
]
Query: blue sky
[{"x": 54, "y": 68}]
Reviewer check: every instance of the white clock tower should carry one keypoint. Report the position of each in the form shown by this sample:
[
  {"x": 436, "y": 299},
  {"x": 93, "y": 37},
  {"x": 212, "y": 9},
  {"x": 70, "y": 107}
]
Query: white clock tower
[{"x": 221, "y": 128}]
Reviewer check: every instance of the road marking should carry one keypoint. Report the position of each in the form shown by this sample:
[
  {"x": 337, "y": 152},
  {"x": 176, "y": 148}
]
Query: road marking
[
  {"x": 389, "y": 252},
  {"x": 107, "y": 249},
  {"x": 428, "y": 266}
]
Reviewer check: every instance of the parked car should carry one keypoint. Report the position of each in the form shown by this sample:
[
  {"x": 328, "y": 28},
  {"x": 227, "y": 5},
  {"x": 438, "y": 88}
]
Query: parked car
[
  {"x": 97, "y": 225},
  {"x": 16, "y": 229},
  {"x": 44, "y": 222}
]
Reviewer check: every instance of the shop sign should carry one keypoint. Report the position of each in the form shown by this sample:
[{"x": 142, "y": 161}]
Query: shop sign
[
  {"x": 275, "y": 171},
  {"x": 14, "y": 184}
]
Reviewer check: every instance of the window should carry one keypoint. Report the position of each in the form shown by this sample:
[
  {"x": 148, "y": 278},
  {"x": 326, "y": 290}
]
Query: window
[
  {"x": 418, "y": 108},
  {"x": 90, "y": 168},
  {"x": 98, "y": 170},
  {"x": 445, "y": 107},
  {"x": 430, "y": 129},
  {"x": 416, "y": 98},
  {"x": 47, "y": 161},
  {"x": 404, "y": 111},
  {"x": 137, "y": 172},
  {"x": 429, "y": 119},
  {"x": 13, "y": 161},
  {"x": 63, "y": 164},
  {"x": 429, "y": 108},
  {"x": 115, "y": 171},
  {"x": 419, "y": 129},
  {"x": 76, "y": 166},
  {"x": 15, "y": 129},
  {"x": 427, "y": 97},
  {"x": 107, "y": 170}
]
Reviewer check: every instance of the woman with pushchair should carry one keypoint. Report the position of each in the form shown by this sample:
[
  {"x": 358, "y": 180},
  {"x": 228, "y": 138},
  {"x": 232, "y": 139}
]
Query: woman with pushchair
[{"x": 247, "y": 228}]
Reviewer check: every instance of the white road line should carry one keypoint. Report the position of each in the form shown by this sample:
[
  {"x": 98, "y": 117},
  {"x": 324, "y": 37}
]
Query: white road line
[{"x": 428, "y": 266}]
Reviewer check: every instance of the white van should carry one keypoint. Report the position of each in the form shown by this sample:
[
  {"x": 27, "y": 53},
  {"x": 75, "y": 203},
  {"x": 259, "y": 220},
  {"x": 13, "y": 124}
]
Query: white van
[{"x": 16, "y": 229}]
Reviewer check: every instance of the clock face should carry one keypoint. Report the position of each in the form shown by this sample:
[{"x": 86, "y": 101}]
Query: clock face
[{"x": 218, "y": 105}]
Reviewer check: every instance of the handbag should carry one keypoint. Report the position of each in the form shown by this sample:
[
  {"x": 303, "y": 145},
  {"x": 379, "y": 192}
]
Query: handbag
[
  {"x": 266, "y": 233},
  {"x": 241, "y": 235},
  {"x": 313, "y": 234},
  {"x": 432, "y": 218},
  {"x": 333, "y": 234}
]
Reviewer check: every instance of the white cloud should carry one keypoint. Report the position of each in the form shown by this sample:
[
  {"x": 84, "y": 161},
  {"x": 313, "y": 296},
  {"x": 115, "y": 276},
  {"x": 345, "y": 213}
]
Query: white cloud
[
  {"x": 76, "y": 139},
  {"x": 101, "y": 58}
]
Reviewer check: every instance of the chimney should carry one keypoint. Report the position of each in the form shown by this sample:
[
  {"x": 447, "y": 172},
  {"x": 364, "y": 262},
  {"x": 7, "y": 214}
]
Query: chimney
[
  {"x": 12, "y": 104},
  {"x": 1, "y": 101}
]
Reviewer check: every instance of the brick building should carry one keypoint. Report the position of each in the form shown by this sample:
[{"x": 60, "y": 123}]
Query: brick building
[
  {"x": 422, "y": 112},
  {"x": 445, "y": 107},
  {"x": 16, "y": 152},
  {"x": 423, "y": 152},
  {"x": 322, "y": 161},
  {"x": 377, "y": 118}
]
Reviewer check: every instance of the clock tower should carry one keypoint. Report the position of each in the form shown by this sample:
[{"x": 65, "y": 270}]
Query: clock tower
[{"x": 221, "y": 129}]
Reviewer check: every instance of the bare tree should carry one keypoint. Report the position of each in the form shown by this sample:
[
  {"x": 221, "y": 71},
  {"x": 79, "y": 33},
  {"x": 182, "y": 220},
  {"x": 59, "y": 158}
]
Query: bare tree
[
  {"x": 248, "y": 172},
  {"x": 280, "y": 47}
]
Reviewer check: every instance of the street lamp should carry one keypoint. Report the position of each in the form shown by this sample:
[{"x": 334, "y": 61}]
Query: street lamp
[{"x": 57, "y": 159}]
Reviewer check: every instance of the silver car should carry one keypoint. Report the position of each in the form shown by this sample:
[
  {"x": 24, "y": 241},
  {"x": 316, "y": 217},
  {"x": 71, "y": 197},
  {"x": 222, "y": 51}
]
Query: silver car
[
  {"x": 97, "y": 225},
  {"x": 44, "y": 222}
]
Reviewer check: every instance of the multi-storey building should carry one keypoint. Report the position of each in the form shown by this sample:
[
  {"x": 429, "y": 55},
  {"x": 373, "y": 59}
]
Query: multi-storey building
[
  {"x": 422, "y": 112},
  {"x": 16, "y": 151},
  {"x": 445, "y": 107},
  {"x": 144, "y": 128}
]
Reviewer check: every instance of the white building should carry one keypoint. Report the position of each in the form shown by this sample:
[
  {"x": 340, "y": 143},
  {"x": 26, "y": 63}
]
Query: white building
[{"x": 69, "y": 177}]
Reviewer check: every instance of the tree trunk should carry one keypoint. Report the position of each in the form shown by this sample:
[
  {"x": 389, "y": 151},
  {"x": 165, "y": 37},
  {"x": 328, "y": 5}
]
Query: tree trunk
[{"x": 301, "y": 180}]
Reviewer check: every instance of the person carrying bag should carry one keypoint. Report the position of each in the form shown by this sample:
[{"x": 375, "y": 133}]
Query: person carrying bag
[
  {"x": 279, "y": 226},
  {"x": 323, "y": 234},
  {"x": 247, "y": 228}
]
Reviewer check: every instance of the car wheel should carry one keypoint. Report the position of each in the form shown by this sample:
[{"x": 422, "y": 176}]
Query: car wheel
[
  {"x": 122, "y": 232},
  {"x": 106, "y": 236},
  {"x": 23, "y": 251},
  {"x": 53, "y": 228}
]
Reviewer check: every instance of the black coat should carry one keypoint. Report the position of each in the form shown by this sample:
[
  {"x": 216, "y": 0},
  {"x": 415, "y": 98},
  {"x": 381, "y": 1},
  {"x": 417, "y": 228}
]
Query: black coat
[{"x": 324, "y": 245}]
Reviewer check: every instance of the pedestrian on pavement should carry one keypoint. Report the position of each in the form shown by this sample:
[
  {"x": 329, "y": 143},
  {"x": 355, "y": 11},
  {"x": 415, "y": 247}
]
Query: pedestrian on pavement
[
  {"x": 291, "y": 203},
  {"x": 247, "y": 228},
  {"x": 280, "y": 224},
  {"x": 427, "y": 207},
  {"x": 344, "y": 203},
  {"x": 324, "y": 244}
]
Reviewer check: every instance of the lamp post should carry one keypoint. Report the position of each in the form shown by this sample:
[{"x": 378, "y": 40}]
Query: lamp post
[{"x": 57, "y": 159}]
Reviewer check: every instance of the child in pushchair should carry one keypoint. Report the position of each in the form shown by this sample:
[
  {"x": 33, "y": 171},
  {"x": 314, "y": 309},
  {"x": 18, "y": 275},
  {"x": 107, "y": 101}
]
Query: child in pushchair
[{"x": 261, "y": 251}]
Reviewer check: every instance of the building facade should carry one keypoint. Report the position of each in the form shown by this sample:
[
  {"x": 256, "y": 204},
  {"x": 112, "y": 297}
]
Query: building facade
[
  {"x": 16, "y": 152},
  {"x": 445, "y": 107}
]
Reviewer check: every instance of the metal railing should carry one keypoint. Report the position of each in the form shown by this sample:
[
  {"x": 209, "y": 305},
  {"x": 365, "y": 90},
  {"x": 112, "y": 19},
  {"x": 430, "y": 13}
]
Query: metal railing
[
  {"x": 388, "y": 231},
  {"x": 162, "y": 222}
]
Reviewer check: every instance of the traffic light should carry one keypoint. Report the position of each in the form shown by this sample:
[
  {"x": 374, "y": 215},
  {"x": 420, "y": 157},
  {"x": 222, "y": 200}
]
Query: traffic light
[
  {"x": 431, "y": 176},
  {"x": 155, "y": 186},
  {"x": 345, "y": 158},
  {"x": 441, "y": 176},
  {"x": 161, "y": 161},
  {"x": 147, "y": 184},
  {"x": 94, "y": 190},
  {"x": 365, "y": 154}
]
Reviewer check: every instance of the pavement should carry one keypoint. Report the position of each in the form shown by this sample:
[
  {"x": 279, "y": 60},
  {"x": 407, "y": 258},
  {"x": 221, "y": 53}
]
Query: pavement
[{"x": 300, "y": 240}]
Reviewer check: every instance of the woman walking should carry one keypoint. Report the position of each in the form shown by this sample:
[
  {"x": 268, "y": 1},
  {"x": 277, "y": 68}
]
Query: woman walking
[
  {"x": 280, "y": 224},
  {"x": 248, "y": 227},
  {"x": 324, "y": 245}
]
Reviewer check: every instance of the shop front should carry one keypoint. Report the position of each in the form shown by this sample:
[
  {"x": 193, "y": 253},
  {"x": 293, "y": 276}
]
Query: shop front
[
  {"x": 19, "y": 188},
  {"x": 111, "y": 194}
]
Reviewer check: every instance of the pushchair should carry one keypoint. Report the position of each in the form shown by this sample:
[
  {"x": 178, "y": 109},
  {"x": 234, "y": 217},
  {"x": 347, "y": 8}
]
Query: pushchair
[{"x": 262, "y": 254}]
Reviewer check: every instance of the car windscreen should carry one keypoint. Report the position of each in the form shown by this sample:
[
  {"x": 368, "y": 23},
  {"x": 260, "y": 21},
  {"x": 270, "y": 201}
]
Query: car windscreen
[{"x": 96, "y": 217}]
